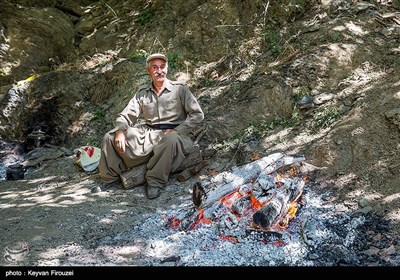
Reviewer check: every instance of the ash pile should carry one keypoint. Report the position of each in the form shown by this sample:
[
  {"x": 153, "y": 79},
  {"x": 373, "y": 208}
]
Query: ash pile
[{"x": 255, "y": 216}]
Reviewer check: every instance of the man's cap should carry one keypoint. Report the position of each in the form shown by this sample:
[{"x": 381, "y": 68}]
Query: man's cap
[{"x": 156, "y": 55}]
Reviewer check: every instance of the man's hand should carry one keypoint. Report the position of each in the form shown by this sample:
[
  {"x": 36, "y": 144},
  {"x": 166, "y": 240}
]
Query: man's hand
[{"x": 120, "y": 141}]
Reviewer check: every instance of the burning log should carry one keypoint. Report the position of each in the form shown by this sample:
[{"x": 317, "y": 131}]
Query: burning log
[
  {"x": 277, "y": 210},
  {"x": 266, "y": 216},
  {"x": 207, "y": 192},
  {"x": 241, "y": 204}
]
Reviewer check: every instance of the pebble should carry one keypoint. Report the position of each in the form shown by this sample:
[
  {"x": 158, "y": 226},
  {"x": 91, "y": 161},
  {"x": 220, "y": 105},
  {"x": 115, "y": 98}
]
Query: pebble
[{"x": 96, "y": 189}]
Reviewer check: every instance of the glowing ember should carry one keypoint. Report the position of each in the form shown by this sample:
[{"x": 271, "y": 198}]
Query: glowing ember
[
  {"x": 272, "y": 204},
  {"x": 255, "y": 204},
  {"x": 229, "y": 238},
  {"x": 248, "y": 199},
  {"x": 200, "y": 219},
  {"x": 173, "y": 222}
]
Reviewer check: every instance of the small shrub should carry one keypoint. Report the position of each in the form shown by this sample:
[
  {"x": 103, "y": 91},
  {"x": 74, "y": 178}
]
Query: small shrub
[
  {"x": 324, "y": 117},
  {"x": 273, "y": 42},
  {"x": 336, "y": 37},
  {"x": 173, "y": 60},
  {"x": 137, "y": 54},
  {"x": 103, "y": 62},
  {"x": 145, "y": 16},
  {"x": 99, "y": 115}
]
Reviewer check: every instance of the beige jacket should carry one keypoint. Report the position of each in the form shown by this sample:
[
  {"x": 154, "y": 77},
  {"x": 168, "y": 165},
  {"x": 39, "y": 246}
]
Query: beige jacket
[{"x": 175, "y": 105}]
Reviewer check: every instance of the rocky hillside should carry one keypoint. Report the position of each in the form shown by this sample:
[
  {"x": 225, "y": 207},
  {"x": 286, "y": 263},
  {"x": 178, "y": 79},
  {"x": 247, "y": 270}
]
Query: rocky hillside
[{"x": 317, "y": 78}]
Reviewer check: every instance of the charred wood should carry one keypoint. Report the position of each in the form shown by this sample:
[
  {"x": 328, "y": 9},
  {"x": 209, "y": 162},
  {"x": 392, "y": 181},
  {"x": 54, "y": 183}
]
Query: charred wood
[
  {"x": 277, "y": 208},
  {"x": 197, "y": 193},
  {"x": 241, "y": 205},
  {"x": 267, "y": 215},
  {"x": 216, "y": 187}
]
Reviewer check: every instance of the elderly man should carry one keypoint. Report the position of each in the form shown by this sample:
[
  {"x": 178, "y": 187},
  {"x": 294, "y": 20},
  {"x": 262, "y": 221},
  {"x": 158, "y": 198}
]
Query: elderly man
[{"x": 154, "y": 128}]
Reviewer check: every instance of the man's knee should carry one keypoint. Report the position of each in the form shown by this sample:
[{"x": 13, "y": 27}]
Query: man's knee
[
  {"x": 108, "y": 138},
  {"x": 171, "y": 139}
]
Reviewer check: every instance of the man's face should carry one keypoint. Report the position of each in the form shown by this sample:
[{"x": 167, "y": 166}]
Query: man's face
[{"x": 157, "y": 70}]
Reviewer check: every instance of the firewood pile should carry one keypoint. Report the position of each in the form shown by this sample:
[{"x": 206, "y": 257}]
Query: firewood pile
[{"x": 254, "y": 193}]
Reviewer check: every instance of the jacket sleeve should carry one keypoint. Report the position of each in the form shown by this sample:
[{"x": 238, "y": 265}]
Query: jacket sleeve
[
  {"x": 129, "y": 115},
  {"x": 193, "y": 111}
]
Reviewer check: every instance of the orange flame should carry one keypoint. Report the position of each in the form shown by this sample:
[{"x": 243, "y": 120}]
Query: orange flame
[
  {"x": 175, "y": 223},
  {"x": 255, "y": 157},
  {"x": 172, "y": 222},
  {"x": 290, "y": 213},
  {"x": 293, "y": 171},
  {"x": 229, "y": 199},
  {"x": 200, "y": 219},
  {"x": 278, "y": 243},
  {"x": 255, "y": 204},
  {"x": 279, "y": 180},
  {"x": 229, "y": 238},
  {"x": 284, "y": 222}
]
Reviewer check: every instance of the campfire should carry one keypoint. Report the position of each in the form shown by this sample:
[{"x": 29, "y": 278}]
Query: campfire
[
  {"x": 264, "y": 213},
  {"x": 256, "y": 196}
]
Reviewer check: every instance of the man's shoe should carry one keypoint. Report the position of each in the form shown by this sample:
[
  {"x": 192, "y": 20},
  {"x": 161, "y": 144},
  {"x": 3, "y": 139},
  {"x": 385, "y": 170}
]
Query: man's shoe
[{"x": 151, "y": 192}]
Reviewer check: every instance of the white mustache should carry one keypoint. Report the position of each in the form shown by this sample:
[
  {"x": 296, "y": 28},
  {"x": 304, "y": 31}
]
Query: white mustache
[{"x": 162, "y": 74}]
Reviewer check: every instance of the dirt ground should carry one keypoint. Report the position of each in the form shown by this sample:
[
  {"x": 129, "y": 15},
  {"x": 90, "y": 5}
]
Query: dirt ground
[{"x": 54, "y": 206}]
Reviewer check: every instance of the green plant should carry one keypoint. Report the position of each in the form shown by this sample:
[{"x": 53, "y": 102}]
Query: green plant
[
  {"x": 172, "y": 60},
  {"x": 206, "y": 82},
  {"x": 103, "y": 62},
  {"x": 257, "y": 130},
  {"x": 92, "y": 140},
  {"x": 273, "y": 42},
  {"x": 336, "y": 37},
  {"x": 99, "y": 114},
  {"x": 145, "y": 16},
  {"x": 138, "y": 54},
  {"x": 324, "y": 117},
  {"x": 236, "y": 87},
  {"x": 276, "y": 121},
  {"x": 294, "y": 10},
  {"x": 262, "y": 128}
]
